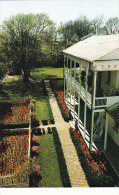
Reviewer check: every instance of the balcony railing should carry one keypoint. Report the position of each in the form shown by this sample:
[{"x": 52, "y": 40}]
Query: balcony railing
[
  {"x": 79, "y": 88},
  {"x": 99, "y": 101}
]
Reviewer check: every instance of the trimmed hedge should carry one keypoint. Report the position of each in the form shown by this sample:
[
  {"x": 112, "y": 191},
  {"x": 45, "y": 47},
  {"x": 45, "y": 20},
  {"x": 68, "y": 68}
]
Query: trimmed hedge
[
  {"x": 61, "y": 159},
  {"x": 14, "y": 125}
]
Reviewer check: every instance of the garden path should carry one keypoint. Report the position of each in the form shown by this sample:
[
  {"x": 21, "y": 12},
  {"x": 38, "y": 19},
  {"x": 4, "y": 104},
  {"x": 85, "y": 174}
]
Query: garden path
[{"x": 75, "y": 171}]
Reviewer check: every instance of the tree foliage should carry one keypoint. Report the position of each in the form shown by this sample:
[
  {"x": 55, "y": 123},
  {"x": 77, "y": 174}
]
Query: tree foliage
[
  {"x": 32, "y": 40},
  {"x": 22, "y": 38},
  {"x": 112, "y": 25}
]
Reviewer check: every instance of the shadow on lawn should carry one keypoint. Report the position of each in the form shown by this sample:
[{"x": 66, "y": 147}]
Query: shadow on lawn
[
  {"x": 18, "y": 89},
  {"x": 45, "y": 76}
]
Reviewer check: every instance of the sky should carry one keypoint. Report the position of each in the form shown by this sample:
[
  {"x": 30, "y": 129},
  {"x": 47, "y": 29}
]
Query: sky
[{"x": 61, "y": 10}]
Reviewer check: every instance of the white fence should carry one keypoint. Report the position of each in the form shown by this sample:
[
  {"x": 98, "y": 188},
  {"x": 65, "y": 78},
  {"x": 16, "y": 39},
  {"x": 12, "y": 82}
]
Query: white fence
[{"x": 9, "y": 180}]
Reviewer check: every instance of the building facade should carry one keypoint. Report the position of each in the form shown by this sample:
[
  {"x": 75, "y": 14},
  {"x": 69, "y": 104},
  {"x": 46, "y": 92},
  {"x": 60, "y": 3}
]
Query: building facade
[{"x": 91, "y": 86}]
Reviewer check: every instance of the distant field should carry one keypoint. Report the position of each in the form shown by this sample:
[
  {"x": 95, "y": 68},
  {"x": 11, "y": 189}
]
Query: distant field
[{"x": 47, "y": 73}]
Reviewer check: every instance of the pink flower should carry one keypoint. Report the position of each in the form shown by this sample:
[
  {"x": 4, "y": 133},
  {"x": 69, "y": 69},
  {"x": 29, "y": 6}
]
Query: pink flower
[{"x": 34, "y": 148}]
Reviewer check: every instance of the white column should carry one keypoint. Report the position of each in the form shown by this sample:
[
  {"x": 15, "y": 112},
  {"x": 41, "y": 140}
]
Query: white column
[
  {"x": 78, "y": 109},
  {"x": 94, "y": 89},
  {"x": 64, "y": 78},
  {"x": 80, "y": 78},
  {"x": 92, "y": 125},
  {"x": 106, "y": 131},
  {"x": 70, "y": 83},
  {"x": 74, "y": 85},
  {"x": 93, "y": 106},
  {"x": 85, "y": 106},
  {"x": 74, "y": 103},
  {"x": 67, "y": 80}
]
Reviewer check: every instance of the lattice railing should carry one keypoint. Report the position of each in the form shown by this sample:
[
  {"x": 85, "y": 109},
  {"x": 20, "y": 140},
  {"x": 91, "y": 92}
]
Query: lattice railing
[{"x": 8, "y": 180}]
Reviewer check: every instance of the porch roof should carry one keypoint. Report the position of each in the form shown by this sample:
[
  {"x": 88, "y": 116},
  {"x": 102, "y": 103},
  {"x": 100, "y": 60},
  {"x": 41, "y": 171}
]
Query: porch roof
[
  {"x": 95, "y": 47},
  {"x": 113, "y": 111}
]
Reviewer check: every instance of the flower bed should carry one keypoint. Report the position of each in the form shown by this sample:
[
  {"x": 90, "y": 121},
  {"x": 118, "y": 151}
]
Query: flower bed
[
  {"x": 15, "y": 112},
  {"x": 14, "y": 150},
  {"x": 63, "y": 107},
  {"x": 97, "y": 172}
]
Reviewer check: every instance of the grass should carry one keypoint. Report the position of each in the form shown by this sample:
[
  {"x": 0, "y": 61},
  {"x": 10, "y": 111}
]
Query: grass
[
  {"x": 51, "y": 159},
  {"x": 47, "y": 73},
  {"x": 48, "y": 161},
  {"x": 19, "y": 90},
  {"x": 15, "y": 88}
]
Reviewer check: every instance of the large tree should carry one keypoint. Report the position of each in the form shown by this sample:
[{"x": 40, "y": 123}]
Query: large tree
[
  {"x": 22, "y": 37},
  {"x": 72, "y": 31},
  {"x": 112, "y": 25}
]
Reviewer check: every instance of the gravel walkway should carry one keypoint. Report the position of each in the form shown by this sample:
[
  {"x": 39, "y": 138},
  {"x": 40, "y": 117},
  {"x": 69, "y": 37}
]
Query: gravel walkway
[{"x": 76, "y": 173}]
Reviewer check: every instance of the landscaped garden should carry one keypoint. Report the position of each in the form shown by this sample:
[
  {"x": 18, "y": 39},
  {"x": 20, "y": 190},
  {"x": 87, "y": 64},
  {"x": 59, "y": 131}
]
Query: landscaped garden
[
  {"x": 16, "y": 112},
  {"x": 47, "y": 168}
]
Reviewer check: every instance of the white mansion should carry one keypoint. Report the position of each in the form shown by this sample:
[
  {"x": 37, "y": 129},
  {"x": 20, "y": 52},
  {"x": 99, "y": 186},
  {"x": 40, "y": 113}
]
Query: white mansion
[{"x": 91, "y": 86}]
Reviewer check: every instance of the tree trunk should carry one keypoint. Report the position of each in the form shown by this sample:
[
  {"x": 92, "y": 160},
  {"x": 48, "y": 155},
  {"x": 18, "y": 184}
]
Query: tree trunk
[{"x": 26, "y": 75}]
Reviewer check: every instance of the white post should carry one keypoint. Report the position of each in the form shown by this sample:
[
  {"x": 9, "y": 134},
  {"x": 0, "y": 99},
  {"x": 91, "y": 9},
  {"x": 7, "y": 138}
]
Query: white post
[
  {"x": 64, "y": 78},
  {"x": 93, "y": 106},
  {"x": 70, "y": 85},
  {"x": 85, "y": 107},
  {"x": 74, "y": 86},
  {"x": 67, "y": 80},
  {"x": 106, "y": 131},
  {"x": 80, "y": 78},
  {"x": 92, "y": 125},
  {"x": 94, "y": 89},
  {"x": 78, "y": 109},
  {"x": 29, "y": 148}
]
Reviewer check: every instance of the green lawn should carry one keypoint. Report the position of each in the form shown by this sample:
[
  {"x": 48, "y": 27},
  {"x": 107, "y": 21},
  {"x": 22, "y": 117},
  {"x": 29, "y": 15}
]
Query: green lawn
[
  {"x": 15, "y": 88},
  {"x": 49, "y": 163},
  {"x": 47, "y": 73}
]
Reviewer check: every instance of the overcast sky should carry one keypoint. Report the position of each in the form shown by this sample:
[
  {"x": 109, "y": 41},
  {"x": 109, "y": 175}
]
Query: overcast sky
[{"x": 61, "y": 10}]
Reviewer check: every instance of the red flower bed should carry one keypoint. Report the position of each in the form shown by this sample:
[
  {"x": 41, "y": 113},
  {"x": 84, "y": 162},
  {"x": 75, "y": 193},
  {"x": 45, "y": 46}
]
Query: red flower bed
[
  {"x": 96, "y": 166},
  {"x": 15, "y": 113},
  {"x": 14, "y": 151},
  {"x": 61, "y": 99}
]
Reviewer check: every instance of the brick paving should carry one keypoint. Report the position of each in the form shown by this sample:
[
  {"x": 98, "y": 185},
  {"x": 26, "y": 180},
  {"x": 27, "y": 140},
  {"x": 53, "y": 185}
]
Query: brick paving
[{"x": 75, "y": 171}]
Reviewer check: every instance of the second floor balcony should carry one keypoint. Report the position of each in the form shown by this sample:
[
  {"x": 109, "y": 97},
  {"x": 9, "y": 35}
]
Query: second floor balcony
[{"x": 103, "y": 97}]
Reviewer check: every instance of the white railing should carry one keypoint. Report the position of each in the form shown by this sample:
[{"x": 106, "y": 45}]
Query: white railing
[
  {"x": 79, "y": 88},
  {"x": 99, "y": 101},
  {"x": 8, "y": 180},
  {"x": 105, "y": 101},
  {"x": 112, "y": 100}
]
